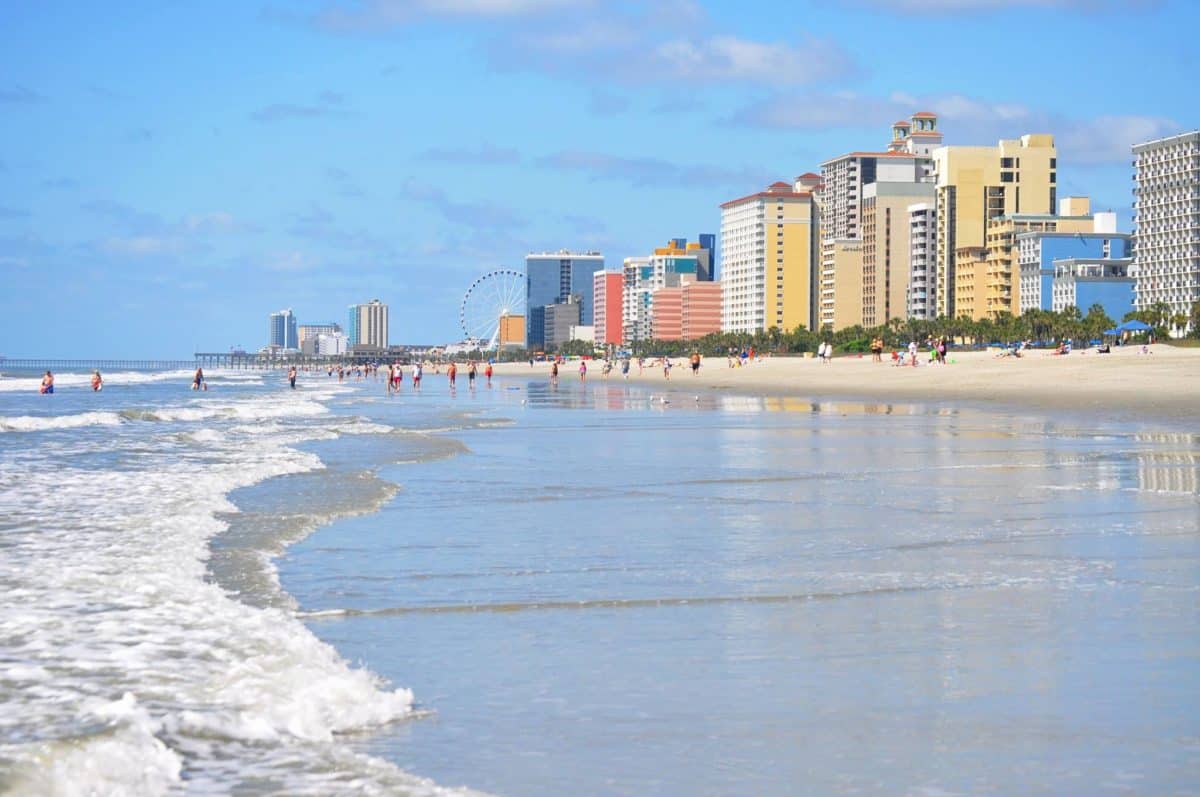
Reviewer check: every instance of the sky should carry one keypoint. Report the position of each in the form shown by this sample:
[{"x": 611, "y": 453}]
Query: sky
[{"x": 171, "y": 173}]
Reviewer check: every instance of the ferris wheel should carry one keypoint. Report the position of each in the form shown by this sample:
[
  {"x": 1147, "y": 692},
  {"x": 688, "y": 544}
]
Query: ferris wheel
[{"x": 490, "y": 300}]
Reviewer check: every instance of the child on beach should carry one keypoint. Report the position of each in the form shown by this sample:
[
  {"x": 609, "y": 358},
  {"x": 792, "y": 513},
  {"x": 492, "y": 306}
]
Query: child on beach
[
  {"x": 97, "y": 382},
  {"x": 583, "y": 370}
]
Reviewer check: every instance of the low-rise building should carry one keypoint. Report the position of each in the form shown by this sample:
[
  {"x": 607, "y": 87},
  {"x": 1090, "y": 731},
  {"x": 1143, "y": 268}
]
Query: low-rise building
[
  {"x": 1083, "y": 282},
  {"x": 687, "y": 312},
  {"x": 559, "y": 319}
]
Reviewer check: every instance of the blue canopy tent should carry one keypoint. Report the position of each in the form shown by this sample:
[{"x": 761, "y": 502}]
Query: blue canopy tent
[{"x": 1134, "y": 326}]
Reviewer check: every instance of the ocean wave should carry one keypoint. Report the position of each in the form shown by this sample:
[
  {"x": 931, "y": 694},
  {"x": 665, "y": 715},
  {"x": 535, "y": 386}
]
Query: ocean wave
[
  {"x": 41, "y": 423},
  {"x": 113, "y": 598}
]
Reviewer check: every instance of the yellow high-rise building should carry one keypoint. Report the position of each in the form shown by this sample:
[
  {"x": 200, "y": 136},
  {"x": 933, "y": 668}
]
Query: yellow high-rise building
[
  {"x": 886, "y": 249},
  {"x": 768, "y": 252},
  {"x": 974, "y": 186}
]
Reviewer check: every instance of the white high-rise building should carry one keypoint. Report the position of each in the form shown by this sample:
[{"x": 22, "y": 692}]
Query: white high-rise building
[
  {"x": 922, "y": 260},
  {"x": 367, "y": 324},
  {"x": 1166, "y": 219}
]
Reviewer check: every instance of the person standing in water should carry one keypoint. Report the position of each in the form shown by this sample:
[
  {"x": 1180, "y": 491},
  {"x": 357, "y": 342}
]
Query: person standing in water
[
  {"x": 198, "y": 379},
  {"x": 417, "y": 368},
  {"x": 292, "y": 377},
  {"x": 452, "y": 372},
  {"x": 487, "y": 372},
  {"x": 554, "y": 372},
  {"x": 471, "y": 370},
  {"x": 583, "y": 370},
  {"x": 97, "y": 382},
  {"x": 47, "y": 387}
]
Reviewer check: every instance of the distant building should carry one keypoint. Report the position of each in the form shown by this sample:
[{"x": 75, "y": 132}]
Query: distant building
[
  {"x": 311, "y": 330},
  {"x": 326, "y": 345},
  {"x": 607, "y": 304},
  {"x": 687, "y": 312},
  {"x": 922, "y": 252},
  {"x": 367, "y": 325},
  {"x": 1081, "y": 283},
  {"x": 512, "y": 330},
  {"x": 559, "y": 318},
  {"x": 670, "y": 266},
  {"x": 974, "y": 186},
  {"x": 768, "y": 255},
  {"x": 586, "y": 334},
  {"x": 283, "y": 332},
  {"x": 555, "y": 277},
  {"x": 1038, "y": 251},
  {"x": 1166, "y": 218}
]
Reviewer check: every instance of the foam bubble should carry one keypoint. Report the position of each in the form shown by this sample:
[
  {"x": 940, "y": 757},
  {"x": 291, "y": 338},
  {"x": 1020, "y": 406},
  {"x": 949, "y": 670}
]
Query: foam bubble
[{"x": 41, "y": 423}]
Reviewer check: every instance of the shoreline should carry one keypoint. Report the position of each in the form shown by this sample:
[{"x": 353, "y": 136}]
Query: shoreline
[{"x": 1162, "y": 386}]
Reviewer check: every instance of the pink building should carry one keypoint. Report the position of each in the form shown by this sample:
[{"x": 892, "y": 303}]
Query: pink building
[
  {"x": 607, "y": 317},
  {"x": 690, "y": 311}
]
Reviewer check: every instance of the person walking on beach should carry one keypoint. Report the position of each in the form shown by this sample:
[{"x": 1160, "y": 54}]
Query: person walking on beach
[
  {"x": 554, "y": 372},
  {"x": 198, "y": 379},
  {"x": 97, "y": 382},
  {"x": 292, "y": 377},
  {"x": 912, "y": 352},
  {"x": 695, "y": 363},
  {"x": 667, "y": 368},
  {"x": 452, "y": 373},
  {"x": 583, "y": 370},
  {"x": 47, "y": 387},
  {"x": 487, "y": 373},
  {"x": 877, "y": 349}
]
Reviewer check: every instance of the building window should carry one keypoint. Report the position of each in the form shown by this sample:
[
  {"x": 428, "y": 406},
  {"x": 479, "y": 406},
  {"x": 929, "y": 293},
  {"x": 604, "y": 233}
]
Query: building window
[
  {"x": 1006, "y": 177},
  {"x": 1006, "y": 163}
]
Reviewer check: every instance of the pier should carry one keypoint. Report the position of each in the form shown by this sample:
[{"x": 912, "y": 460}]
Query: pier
[
  {"x": 239, "y": 360},
  {"x": 84, "y": 364}
]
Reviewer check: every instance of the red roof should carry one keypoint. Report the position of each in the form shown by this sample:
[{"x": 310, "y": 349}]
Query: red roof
[
  {"x": 767, "y": 195},
  {"x": 808, "y": 175},
  {"x": 924, "y": 115},
  {"x": 780, "y": 184},
  {"x": 901, "y": 123}
]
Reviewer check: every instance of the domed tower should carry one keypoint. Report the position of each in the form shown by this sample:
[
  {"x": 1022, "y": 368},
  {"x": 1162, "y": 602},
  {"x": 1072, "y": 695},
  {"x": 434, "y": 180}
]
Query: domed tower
[
  {"x": 924, "y": 136},
  {"x": 900, "y": 132}
]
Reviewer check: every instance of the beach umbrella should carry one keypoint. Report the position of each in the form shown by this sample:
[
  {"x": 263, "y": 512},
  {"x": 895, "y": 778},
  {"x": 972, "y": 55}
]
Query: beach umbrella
[{"x": 1135, "y": 326}]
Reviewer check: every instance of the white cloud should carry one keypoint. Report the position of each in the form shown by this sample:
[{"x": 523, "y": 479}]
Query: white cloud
[
  {"x": 380, "y": 15},
  {"x": 142, "y": 246},
  {"x": 730, "y": 58},
  {"x": 943, "y": 6},
  {"x": 962, "y": 120}
]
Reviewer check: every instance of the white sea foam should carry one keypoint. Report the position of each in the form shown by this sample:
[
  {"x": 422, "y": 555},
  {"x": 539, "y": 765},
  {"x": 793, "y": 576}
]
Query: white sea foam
[
  {"x": 103, "y": 593},
  {"x": 83, "y": 379},
  {"x": 41, "y": 423}
]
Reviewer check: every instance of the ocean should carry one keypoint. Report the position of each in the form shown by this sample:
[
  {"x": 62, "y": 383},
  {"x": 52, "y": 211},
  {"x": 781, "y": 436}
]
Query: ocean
[{"x": 591, "y": 589}]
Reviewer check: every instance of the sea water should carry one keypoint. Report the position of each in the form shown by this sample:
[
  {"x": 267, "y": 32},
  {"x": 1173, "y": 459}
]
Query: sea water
[
  {"x": 144, "y": 645},
  {"x": 587, "y": 589},
  {"x": 662, "y": 591}
]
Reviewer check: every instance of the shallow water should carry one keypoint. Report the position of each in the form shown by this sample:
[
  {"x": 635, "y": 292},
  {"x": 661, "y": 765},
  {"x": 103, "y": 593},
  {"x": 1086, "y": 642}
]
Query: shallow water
[
  {"x": 588, "y": 591},
  {"x": 718, "y": 595}
]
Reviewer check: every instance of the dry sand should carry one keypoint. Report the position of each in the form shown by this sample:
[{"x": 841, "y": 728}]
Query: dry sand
[{"x": 1164, "y": 384}]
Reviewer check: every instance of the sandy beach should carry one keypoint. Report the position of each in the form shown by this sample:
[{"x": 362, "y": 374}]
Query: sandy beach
[{"x": 1163, "y": 384}]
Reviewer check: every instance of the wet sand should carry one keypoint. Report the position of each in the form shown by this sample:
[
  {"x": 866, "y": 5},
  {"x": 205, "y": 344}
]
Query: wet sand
[{"x": 1162, "y": 385}]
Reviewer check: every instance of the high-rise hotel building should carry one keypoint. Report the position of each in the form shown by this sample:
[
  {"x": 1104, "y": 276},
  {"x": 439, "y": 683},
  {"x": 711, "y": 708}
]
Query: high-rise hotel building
[
  {"x": 1166, "y": 218},
  {"x": 865, "y": 228},
  {"x": 974, "y": 186},
  {"x": 768, "y": 255},
  {"x": 367, "y": 324},
  {"x": 283, "y": 333}
]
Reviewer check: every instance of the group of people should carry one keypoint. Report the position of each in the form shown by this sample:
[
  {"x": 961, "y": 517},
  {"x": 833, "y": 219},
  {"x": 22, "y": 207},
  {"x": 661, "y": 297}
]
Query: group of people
[
  {"x": 472, "y": 373},
  {"x": 46, "y": 388}
]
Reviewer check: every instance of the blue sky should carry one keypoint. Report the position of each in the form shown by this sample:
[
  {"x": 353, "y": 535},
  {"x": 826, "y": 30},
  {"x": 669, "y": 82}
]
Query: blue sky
[{"x": 172, "y": 172}]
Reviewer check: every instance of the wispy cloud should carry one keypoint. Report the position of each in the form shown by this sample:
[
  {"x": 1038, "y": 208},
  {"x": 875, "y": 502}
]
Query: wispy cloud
[
  {"x": 328, "y": 104},
  {"x": 963, "y": 120},
  {"x": 476, "y": 215},
  {"x": 19, "y": 95},
  {"x": 944, "y": 6},
  {"x": 319, "y": 225},
  {"x": 483, "y": 154},
  {"x": 644, "y": 172},
  {"x": 375, "y": 16},
  {"x": 140, "y": 233},
  {"x": 344, "y": 184}
]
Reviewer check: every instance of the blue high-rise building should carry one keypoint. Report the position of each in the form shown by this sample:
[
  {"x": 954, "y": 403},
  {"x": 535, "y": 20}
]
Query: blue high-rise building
[
  {"x": 284, "y": 333},
  {"x": 553, "y": 278}
]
